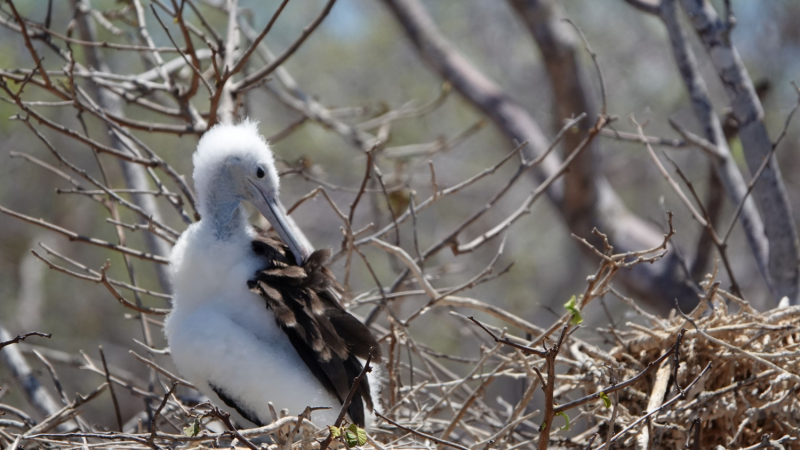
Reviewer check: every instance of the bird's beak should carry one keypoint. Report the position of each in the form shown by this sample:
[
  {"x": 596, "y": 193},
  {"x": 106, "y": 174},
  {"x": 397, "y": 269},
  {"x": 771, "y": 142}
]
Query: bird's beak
[{"x": 272, "y": 209}]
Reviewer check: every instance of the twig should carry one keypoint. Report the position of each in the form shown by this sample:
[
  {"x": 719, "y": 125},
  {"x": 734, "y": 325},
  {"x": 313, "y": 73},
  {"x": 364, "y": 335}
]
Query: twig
[
  {"x": 151, "y": 440},
  {"x": 22, "y": 337},
  {"x": 111, "y": 389},
  {"x": 655, "y": 411},
  {"x": 421, "y": 434},
  {"x": 650, "y": 367},
  {"x": 346, "y": 404},
  {"x": 269, "y": 68}
]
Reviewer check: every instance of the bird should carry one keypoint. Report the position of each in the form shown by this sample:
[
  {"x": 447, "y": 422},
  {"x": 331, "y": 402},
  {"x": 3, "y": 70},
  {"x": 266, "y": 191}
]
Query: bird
[{"x": 256, "y": 317}]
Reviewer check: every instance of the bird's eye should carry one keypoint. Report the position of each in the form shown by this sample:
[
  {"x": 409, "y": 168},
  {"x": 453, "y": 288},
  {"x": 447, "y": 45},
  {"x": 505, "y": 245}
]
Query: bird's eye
[{"x": 260, "y": 173}]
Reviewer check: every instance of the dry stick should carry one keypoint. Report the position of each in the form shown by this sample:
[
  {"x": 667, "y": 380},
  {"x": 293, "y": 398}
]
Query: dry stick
[
  {"x": 481, "y": 277},
  {"x": 650, "y": 367},
  {"x": 175, "y": 379},
  {"x": 421, "y": 434},
  {"x": 766, "y": 442},
  {"x": 746, "y": 108},
  {"x": 223, "y": 97},
  {"x": 104, "y": 44},
  {"x": 524, "y": 167},
  {"x": 222, "y": 103},
  {"x": 118, "y": 283},
  {"x": 53, "y": 376},
  {"x": 116, "y": 191},
  {"x": 269, "y": 68},
  {"x": 437, "y": 194},
  {"x": 633, "y": 137},
  {"x": 284, "y": 133},
  {"x": 346, "y": 404},
  {"x": 194, "y": 64},
  {"x": 471, "y": 399},
  {"x": 72, "y": 236},
  {"x": 254, "y": 44},
  {"x": 315, "y": 111},
  {"x": 724, "y": 168},
  {"x": 66, "y": 413},
  {"x": 506, "y": 341},
  {"x": 649, "y": 414},
  {"x": 50, "y": 168},
  {"x": 179, "y": 179},
  {"x": 408, "y": 111},
  {"x": 789, "y": 116},
  {"x": 29, "y": 45},
  {"x": 603, "y": 97},
  {"x": 151, "y": 440},
  {"x": 348, "y": 236},
  {"x": 750, "y": 186},
  {"x": 305, "y": 415},
  {"x": 721, "y": 246},
  {"x": 525, "y": 208},
  {"x": 699, "y": 142},
  {"x": 361, "y": 188},
  {"x": 379, "y": 177},
  {"x": 94, "y": 76},
  {"x": 22, "y": 337},
  {"x": 701, "y": 219},
  {"x": 75, "y": 135},
  {"x": 144, "y": 36},
  {"x": 695, "y": 423},
  {"x": 549, "y": 388},
  {"x": 113, "y": 196},
  {"x": 611, "y": 421},
  {"x": 102, "y": 278},
  {"x": 111, "y": 389},
  {"x": 737, "y": 350},
  {"x": 226, "y": 420},
  {"x": 451, "y": 238}
]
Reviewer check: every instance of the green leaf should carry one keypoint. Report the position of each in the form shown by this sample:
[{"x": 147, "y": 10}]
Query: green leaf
[
  {"x": 335, "y": 431},
  {"x": 193, "y": 429},
  {"x": 353, "y": 435},
  {"x": 605, "y": 399},
  {"x": 572, "y": 308},
  {"x": 566, "y": 419},
  {"x": 350, "y": 438},
  {"x": 362, "y": 436}
]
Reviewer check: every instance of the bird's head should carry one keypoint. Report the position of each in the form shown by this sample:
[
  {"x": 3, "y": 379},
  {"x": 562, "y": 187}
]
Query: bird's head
[{"x": 233, "y": 163}]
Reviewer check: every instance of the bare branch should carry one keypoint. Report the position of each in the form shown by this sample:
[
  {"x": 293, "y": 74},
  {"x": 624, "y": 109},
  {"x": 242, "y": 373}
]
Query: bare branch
[{"x": 258, "y": 75}]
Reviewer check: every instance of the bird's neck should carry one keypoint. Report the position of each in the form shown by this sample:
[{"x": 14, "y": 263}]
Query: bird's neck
[{"x": 225, "y": 216}]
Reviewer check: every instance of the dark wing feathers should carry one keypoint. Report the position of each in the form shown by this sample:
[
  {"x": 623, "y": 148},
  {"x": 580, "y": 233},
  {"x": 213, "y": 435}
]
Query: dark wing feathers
[
  {"x": 328, "y": 339},
  {"x": 231, "y": 403}
]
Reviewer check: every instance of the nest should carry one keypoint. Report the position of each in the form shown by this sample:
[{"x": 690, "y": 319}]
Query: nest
[
  {"x": 711, "y": 378},
  {"x": 742, "y": 370}
]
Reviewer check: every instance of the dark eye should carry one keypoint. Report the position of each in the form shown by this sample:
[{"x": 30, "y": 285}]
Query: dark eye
[{"x": 260, "y": 173}]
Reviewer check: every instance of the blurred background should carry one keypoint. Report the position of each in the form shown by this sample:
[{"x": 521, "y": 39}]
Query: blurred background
[{"x": 361, "y": 61}]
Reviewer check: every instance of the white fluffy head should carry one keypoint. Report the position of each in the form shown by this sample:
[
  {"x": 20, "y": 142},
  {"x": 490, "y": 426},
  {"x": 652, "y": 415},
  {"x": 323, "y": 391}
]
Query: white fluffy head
[{"x": 227, "y": 155}]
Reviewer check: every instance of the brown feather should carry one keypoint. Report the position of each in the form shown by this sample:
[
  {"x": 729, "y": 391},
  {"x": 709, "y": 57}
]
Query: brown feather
[{"x": 325, "y": 335}]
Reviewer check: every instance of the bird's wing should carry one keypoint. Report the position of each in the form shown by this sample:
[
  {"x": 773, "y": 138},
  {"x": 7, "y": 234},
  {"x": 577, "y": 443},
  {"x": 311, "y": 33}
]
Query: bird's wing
[
  {"x": 232, "y": 403},
  {"x": 328, "y": 338}
]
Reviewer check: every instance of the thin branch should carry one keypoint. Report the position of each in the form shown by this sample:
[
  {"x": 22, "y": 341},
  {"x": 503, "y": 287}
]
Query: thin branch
[
  {"x": 21, "y": 337},
  {"x": 258, "y": 75},
  {"x": 346, "y": 404},
  {"x": 421, "y": 434}
]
